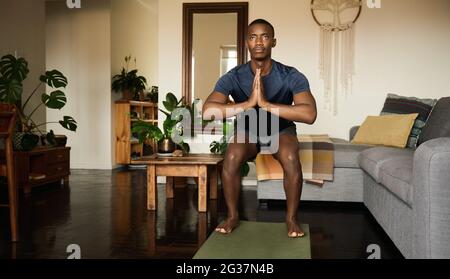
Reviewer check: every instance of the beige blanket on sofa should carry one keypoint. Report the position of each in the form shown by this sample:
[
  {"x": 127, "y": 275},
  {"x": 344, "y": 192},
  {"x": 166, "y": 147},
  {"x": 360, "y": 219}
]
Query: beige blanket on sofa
[{"x": 316, "y": 156}]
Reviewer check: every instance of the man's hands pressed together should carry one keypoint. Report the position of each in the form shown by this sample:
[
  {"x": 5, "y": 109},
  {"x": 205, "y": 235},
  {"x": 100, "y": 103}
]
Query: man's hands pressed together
[
  {"x": 257, "y": 98},
  {"x": 303, "y": 110}
]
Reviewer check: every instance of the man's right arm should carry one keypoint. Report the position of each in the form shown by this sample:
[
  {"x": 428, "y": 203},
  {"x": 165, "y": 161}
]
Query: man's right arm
[{"x": 217, "y": 107}]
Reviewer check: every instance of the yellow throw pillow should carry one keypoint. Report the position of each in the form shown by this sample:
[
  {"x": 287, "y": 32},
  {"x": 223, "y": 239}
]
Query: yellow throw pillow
[{"x": 387, "y": 130}]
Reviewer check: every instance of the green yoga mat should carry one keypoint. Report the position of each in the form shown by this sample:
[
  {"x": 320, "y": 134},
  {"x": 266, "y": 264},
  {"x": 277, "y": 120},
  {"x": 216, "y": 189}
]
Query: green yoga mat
[{"x": 256, "y": 240}]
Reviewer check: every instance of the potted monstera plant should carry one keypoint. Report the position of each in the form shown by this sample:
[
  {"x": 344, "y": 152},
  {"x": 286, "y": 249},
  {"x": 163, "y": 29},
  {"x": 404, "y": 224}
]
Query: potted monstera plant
[
  {"x": 220, "y": 147},
  {"x": 128, "y": 82},
  {"x": 146, "y": 130},
  {"x": 13, "y": 72}
]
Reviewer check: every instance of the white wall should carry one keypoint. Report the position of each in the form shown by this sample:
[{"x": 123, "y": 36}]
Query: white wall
[
  {"x": 134, "y": 31},
  {"x": 79, "y": 44},
  {"x": 22, "y": 29},
  {"x": 401, "y": 48}
]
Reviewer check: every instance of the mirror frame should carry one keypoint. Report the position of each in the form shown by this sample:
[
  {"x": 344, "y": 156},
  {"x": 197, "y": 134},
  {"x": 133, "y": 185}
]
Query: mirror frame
[{"x": 189, "y": 9}]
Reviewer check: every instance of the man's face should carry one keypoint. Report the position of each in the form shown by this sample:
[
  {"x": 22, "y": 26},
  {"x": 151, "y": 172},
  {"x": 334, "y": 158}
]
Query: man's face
[{"x": 260, "y": 41}]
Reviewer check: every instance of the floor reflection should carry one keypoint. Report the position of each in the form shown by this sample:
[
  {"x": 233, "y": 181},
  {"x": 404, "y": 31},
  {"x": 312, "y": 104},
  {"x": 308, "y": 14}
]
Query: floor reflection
[
  {"x": 175, "y": 230},
  {"x": 179, "y": 238}
]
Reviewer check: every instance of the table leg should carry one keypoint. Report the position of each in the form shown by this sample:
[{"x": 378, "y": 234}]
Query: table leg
[
  {"x": 151, "y": 221},
  {"x": 213, "y": 183},
  {"x": 202, "y": 228},
  {"x": 169, "y": 187},
  {"x": 202, "y": 189},
  {"x": 151, "y": 187}
]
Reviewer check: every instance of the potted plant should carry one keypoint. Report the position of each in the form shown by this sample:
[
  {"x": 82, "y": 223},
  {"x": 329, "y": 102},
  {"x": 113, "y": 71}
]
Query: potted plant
[
  {"x": 146, "y": 130},
  {"x": 219, "y": 147},
  {"x": 13, "y": 71},
  {"x": 128, "y": 82},
  {"x": 152, "y": 94}
]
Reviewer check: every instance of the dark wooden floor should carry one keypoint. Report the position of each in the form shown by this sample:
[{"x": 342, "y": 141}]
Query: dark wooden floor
[{"x": 105, "y": 214}]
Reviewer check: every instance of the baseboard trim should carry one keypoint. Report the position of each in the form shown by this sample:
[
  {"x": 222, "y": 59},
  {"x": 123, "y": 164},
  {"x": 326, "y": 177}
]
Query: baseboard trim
[{"x": 90, "y": 166}]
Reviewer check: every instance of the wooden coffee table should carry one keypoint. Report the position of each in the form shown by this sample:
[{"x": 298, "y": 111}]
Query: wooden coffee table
[{"x": 202, "y": 166}]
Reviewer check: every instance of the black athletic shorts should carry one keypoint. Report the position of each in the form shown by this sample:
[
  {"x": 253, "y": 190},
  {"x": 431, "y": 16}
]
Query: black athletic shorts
[{"x": 291, "y": 130}]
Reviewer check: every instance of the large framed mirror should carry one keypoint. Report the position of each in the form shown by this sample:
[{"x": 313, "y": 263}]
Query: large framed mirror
[{"x": 213, "y": 43}]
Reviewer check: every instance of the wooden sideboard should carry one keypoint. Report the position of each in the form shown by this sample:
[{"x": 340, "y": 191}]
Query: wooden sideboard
[{"x": 41, "y": 166}]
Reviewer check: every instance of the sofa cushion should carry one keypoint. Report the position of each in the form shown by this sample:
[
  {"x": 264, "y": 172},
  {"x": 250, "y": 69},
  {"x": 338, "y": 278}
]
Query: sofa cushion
[
  {"x": 396, "y": 176},
  {"x": 438, "y": 125},
  {"x": 395, "y": 104},
  {"x": 346, "y": 153},
  {"x": 387, "y": 130},
  {"x": 371, "y": 160}
]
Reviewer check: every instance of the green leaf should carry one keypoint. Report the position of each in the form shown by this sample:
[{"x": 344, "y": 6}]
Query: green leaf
[
  {"x": 168, "y": 127},
  {"x": 12, "y": 68},
  {"x": 185, "y": 147},
  {"x": 245, "y": 168},
  {"x": 171, "y": 102},
  {"x": 169, "y": 106},
  {"x": 165, "y": 112},
  {"x": 69, "y": 123},
  {"x": 10, "y": 91},
  {"x": 132, "y": 73},
  {"x": 56, "y": 100},
  {"x": 54, "y": 78},
  {"x": 146, "y": 131}
]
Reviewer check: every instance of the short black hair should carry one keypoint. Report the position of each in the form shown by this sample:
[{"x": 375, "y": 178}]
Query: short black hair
[{"x": 263, "y": 21}]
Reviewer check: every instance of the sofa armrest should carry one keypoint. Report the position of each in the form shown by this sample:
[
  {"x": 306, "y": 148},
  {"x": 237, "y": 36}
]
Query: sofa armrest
[
  {"x": 352, "y": 133},
  {"x": 431, "y": 205}
]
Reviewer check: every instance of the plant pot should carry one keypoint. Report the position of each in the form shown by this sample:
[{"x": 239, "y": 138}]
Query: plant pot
[
  {"x": 127, "y": 95},
  {"x": 166, "y": 146},
  {"x": 61, "y": 140},
  {"x": 142, "y": 96},
  {"x": 25, "y": 141}
]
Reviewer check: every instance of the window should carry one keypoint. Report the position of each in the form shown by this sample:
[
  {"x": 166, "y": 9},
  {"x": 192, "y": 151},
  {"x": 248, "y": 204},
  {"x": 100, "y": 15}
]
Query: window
[{"x": 228, "y": 59}]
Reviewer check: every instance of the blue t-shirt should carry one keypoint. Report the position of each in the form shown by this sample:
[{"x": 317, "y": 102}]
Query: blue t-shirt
[{"x": 280, "y": 85}]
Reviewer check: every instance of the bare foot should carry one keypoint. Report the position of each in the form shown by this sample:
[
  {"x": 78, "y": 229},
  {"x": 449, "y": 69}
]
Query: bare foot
[
  {"x": 294, "y": 229},
  {"x": 228, "y": 225}
]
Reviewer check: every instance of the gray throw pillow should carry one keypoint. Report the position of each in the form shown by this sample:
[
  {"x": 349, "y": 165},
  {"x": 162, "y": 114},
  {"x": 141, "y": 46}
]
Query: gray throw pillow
[{"x": 438, "y": 124}]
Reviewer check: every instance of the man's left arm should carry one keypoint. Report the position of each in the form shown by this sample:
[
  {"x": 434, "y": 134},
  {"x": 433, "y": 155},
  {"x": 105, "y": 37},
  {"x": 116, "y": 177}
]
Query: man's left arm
[{"x": 304, "y": 109}]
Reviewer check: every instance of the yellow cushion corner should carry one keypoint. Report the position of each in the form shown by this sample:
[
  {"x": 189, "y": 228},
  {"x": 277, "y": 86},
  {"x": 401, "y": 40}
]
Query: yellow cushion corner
[{"x": 388, "y": 130}]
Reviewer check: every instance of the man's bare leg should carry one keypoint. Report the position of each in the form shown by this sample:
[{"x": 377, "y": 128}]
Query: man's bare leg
[
  {"x": 288, "y": 157},
  {"x": 235, "y": 155}
]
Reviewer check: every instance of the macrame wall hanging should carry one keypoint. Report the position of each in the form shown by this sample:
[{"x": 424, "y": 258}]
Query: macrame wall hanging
[{"x": 336, "y": 19}]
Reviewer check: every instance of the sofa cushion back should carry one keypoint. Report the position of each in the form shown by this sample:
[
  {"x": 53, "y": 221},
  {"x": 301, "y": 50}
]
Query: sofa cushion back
[{"x": 438, "y": 124}]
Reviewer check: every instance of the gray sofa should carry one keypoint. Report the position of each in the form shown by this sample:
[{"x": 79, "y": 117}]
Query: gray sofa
[
  {"x": 347, "y": 185},
  {"x": 407, "y": 191}
]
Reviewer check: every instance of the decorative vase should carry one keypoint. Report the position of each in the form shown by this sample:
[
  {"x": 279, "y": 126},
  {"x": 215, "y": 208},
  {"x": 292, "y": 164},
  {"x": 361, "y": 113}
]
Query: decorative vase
[
  {"x": 25, "y": 141},
  {"x": 61, "y": 140},
  {"x": 166, "y": 146}
]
